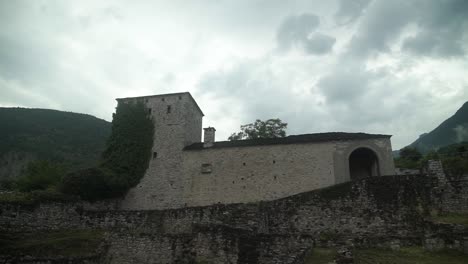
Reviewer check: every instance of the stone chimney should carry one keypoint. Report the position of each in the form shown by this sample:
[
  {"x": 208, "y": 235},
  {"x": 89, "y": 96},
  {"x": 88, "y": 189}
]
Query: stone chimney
[{"x": 209, "y": 137}]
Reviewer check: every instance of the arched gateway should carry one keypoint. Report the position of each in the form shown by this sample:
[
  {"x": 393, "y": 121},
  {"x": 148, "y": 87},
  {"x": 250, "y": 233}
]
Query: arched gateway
[{"x": 363, "y": 162}]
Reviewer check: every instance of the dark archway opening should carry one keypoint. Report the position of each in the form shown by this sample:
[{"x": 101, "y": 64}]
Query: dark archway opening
[{"x": 363, "y": 163}]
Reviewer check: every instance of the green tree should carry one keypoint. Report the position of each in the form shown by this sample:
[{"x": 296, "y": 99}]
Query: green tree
[
  {"x": 40, "y": 175},
  {"x": 410, "y": 158},
  {"x": 271, "y": 128},
  {"x": 125, "y": 159}
]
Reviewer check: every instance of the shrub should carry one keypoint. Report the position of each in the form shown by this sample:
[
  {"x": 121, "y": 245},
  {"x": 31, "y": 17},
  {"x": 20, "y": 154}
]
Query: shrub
[
  {"x": 124, "y": 161},
  {"x": 40, "y": 175},
  {"x": 90, "y": 184}
]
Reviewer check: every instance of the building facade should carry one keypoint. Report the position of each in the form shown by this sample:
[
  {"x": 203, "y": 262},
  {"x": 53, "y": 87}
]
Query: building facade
[{"x": 184, "y": 171}]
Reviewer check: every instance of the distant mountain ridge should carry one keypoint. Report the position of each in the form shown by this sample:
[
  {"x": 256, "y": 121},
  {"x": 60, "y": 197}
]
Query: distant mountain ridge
[
  {"x": 76, "y": 140},
  {"x": 451, "y": 131}
]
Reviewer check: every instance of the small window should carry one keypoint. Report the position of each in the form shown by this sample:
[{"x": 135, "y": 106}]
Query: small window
[
  {"x": 155, "y": 155},
  {"x": 162, "y": 99},
  {"x": 274, "y": 162},
  {"x": 206, "y": 168},
  {"x": 243, "y": 163},
  {"x": 146, "y": 100},
  {"x": 169, "y": 109},
  {"x": 180, "y": 97},
  {"x": 149, "y": 111}
]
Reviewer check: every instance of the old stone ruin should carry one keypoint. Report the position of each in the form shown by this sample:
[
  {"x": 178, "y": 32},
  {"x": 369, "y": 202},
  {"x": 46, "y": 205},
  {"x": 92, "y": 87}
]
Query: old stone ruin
[
  {"x": 251, "y": 201},
  {"x": 185, "y": 172},
  {"x": 388, "y": 211}
]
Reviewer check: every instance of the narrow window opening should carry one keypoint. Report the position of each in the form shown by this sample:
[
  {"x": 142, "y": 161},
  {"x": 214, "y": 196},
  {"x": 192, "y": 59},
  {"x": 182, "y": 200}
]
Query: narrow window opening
[
  {"x": 206, "y": 168},
  {"x": 155, "y": 155},
  {"x": 169, "y": 109},
  {"x": 162, "y": 99},
  {"x": 275, "y": 177},
  {"x": 274, "y": 162},
  {"x": 243, "y": 163},
  {"x": 149, "y": 111},
  {"x": 146, "y": 100},
  {"x": 180, "y": 97}
]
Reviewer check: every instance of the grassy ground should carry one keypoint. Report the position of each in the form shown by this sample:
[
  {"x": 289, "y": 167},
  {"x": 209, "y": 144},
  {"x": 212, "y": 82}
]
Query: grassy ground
[
  {"x": 320, "y": 256},
  {"x": 34, "y": 197},
  {"x": 451, "y": 218},
  {"x": 69, "y": 243},
  {"x": 412, "y": 255}
]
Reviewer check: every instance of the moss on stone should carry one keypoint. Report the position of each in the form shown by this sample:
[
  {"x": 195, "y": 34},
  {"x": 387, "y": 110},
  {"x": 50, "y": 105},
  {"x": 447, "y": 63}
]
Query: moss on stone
[
  {"x": 450, "y": 218},
  {"x": 62, "y": 243},
  {"x": 408, "y": 255}
]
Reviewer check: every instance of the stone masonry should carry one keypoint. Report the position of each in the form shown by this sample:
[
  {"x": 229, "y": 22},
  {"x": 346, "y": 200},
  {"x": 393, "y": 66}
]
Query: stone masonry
[{"x": 185, "y": 172}]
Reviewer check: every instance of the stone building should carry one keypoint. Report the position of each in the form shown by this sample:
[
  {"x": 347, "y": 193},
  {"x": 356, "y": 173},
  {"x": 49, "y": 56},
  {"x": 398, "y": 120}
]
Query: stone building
[{"x": 184, "y": 171}]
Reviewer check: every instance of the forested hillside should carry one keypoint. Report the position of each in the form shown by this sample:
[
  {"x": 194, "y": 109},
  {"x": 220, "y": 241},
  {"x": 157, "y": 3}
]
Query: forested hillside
[
  {"x": 72, "y": 139},
  {"x": 451, "y": 131}
]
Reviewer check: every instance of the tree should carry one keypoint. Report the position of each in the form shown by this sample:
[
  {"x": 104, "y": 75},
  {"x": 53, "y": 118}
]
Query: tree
[
  {"x": 40, "y": 175},
  {"x": 271, "y": 128},
  {"x": 124, "y": 161},
  {"x": 410, "y": 158}
]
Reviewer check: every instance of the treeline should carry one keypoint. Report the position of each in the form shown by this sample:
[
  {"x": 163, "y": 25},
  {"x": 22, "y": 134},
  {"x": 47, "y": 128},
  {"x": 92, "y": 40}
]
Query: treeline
[
  {"x": 454, "y": 159},
  {"x": 121, "y": 166},
  {"x": 71, "y": 139}
]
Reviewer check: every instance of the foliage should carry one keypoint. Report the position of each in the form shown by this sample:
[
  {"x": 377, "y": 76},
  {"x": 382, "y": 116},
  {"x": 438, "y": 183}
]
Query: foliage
[
  {"x": 454, "y": 159},
  {"x": 90, "y": 184},
  {"x": 63, "y": 243},
  {"x": 34, "y": 197},
  {"x": 320, "y": 255},
  {"x": 40, "y": 175},
  {"x": 409, "y": 158},
  {"x": 271, "y": 128},
  {"x": 128, "y": 149},
  {"x": 76, "y": 140},
  {"x": 124, "y": 161}
]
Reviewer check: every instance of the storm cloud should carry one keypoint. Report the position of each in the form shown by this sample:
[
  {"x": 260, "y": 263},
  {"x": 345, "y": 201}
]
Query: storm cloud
[{"x": 394, "y": 67}]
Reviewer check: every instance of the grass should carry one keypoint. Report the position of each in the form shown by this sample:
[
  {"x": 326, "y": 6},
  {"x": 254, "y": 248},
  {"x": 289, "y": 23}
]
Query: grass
[
  {"x": 409, "y": 255},
  {"x": 451, "y": 218},
  {"x": 68, "y": 243},
  {"x": 320, "y": 256},
  {"x": 35, "y": 197}
]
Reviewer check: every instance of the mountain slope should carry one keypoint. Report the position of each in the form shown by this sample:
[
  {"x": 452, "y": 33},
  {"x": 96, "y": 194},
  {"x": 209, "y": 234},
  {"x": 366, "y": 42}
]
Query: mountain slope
[
  {"x": 76, "y": 140},
  {"x": 453, "y": 130}
]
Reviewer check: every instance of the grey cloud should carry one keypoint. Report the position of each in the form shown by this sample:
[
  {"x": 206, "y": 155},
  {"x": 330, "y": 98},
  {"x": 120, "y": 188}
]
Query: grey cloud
[
  {"x": 298, "y": 32},
  {"x": 442, "y": 27},
  {"x": 381, "y": 26},
  {"x": 350, "y": 10},
  {"x": 295, "y": 30},
  {"x": 461, "y": 132},
  {"x": 319, "y": 44}
]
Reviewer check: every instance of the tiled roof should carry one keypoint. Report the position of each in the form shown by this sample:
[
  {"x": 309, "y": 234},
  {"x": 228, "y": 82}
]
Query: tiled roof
[{"x": 294, "y": 139}]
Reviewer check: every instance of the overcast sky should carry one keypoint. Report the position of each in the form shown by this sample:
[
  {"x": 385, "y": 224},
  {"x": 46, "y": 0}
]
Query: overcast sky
[{"x": 394, "y": 67}]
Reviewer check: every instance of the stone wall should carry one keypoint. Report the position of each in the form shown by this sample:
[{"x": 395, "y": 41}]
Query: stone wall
[
  {"x": 265, "y": 173},
  {"x": 178, "y": 122},
  {"x": 388, "y": 211},
  {"x": 177, "y": 178}
]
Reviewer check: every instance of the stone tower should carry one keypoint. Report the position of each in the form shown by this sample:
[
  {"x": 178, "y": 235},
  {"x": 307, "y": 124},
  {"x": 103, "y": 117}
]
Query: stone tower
[{"x": 178, "y": 123}]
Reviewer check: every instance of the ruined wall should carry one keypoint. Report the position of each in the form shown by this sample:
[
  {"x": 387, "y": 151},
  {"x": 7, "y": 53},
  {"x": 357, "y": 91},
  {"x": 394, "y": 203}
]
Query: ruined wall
[
  {"x": 379, "y": 211},
  {"x": 177, "y": 124},
  {"x": 268, "y": 172}
]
